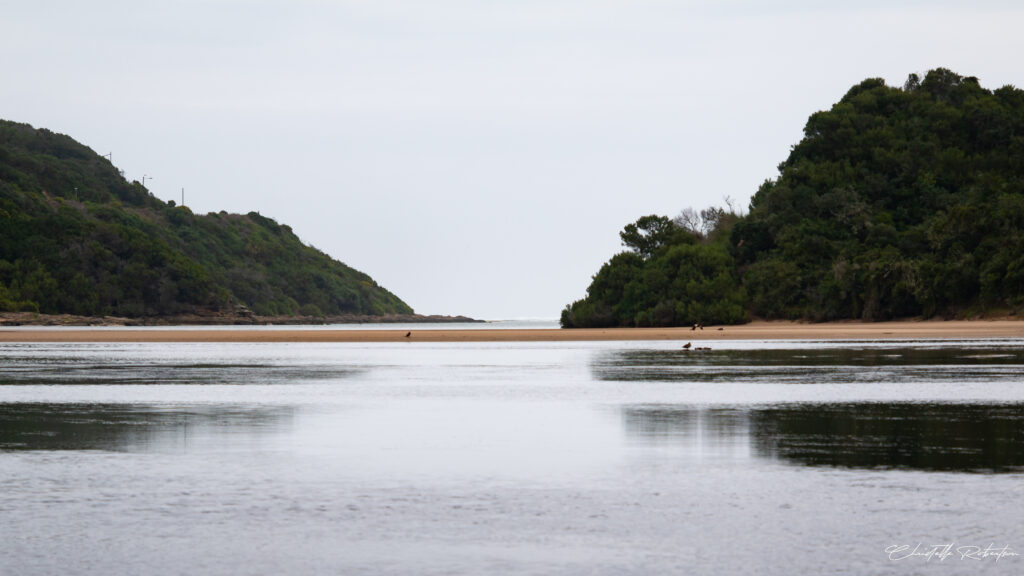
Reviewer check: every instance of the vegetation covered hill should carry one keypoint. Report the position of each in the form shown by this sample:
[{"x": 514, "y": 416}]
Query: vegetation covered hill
[
  {"x": 673, "y": 274},
  {"x": 897, "y": 202},
  {"x": 76, "y": 238}
]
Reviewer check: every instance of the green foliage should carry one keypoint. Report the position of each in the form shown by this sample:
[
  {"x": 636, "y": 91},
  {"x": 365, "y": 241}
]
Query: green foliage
[
  {"x": 668, "y": 279},
  {"x": 310, "y": 310},
  {"x": 75, "y": 237},
  {"x": 897, "y": 202},
  {"x": 651, "y": 233}
]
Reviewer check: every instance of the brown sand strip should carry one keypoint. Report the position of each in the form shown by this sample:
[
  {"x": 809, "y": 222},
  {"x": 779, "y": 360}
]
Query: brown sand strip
[{"x": 953, "y": 329}]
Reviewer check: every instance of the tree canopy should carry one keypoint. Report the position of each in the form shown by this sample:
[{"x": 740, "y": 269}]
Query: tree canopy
[
  {"x": 671, "y": 276},
  {"x": 898, "y": 202},
  {"x": 76, "y": 237}
]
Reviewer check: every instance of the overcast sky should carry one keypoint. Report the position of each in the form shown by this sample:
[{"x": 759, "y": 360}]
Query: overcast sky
[{"x": 474, "y": 157}]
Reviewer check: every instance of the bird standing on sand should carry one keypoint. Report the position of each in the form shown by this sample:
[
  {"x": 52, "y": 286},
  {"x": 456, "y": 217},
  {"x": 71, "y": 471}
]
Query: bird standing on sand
[
  {"x": 687, "y": 346},
  {"x": 407, "y": 334}
]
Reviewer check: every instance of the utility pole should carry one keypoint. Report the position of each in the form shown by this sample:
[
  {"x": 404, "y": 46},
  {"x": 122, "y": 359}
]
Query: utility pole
[
  {"x": 144, "y": 180},
  {"x": 182, "y": 196}
]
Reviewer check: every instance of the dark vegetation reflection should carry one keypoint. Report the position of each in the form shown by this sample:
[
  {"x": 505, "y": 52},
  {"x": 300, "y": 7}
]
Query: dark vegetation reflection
[
  {"x": 932, "y": 437},
  {"x": 846, "y": 364},
  {"x": 133, "y": 428},
  {"x": 29, "y": 370}
]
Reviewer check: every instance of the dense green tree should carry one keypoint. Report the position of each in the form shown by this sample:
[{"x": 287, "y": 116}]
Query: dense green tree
[
  {"x": 649, "y": 234},
  {"x": 76, "y": 237},
  {"x": 897, "y": 202},
  {"x": 668, "y": 278}
]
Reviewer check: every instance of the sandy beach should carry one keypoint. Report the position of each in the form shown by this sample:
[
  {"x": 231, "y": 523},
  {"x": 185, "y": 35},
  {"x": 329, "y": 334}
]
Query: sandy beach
[{"x": 761, "y": 330}]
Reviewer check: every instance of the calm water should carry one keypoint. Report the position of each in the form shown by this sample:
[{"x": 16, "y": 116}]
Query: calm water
[{"x": 578, "y": 458}]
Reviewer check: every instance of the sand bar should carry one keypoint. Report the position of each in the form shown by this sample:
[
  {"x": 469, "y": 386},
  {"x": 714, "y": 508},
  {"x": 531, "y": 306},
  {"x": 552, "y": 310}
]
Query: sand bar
[{"x": 898, "y": 330}]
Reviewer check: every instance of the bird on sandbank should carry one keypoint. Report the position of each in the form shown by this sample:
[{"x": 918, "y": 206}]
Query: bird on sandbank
[{"x": 688, "y": 346}]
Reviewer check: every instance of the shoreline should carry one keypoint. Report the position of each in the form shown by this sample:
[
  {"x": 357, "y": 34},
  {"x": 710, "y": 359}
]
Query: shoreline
[
  {"x": 30, "y": 319},
  {"x": 758, "y": 330}
]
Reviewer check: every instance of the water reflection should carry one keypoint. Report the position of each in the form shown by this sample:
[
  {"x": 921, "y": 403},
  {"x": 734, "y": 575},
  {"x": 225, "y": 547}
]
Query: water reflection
[
  {"x": 934, "y": 437},
  {"x": 836, "y": 364},
  {"x": 671, "y": 424},
  {"x": 86, "y": 371},
  {"x": 134, "y": 428}
]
